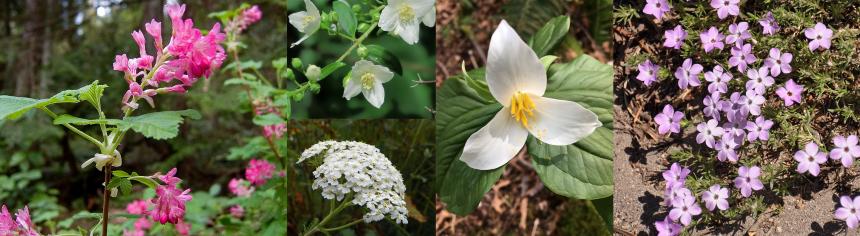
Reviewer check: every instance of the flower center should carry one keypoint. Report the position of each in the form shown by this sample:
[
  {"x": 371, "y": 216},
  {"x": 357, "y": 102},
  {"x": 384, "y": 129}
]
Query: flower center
[
  {"x": 406, "y": 13},
  {"x": 367, "y": 80},
  {"x": 307, "y": 20},
  {"x": 846, "y": 149},
  {"x": 811, "y": 159},
  {"x": 749, "y": 180},
  {"x": 726, "y": 3},
  {"x": 522, "y": 108}
]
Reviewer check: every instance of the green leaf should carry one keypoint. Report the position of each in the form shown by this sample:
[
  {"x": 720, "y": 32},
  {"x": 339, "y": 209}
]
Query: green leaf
[
  {"x": 330, "y": 68},
  {"x": 94, "y": 94},
  {"x": 378, "y": 55},
  {"x": 547, "y": 61},
  {"x": 13, "y": 107},
  {"x": 158, "y": 125},
  {"x": 145, "y": 181},
  {"x": 605, "y": 209},
  {"x": 549, "y": 35},
  {"x": 600, "y": 19},
  {"x": 119, "y": 173},
  {"x": 125, "y": 187},
  {"x": 279, "y": 63},
  {"x": 268, "y": 119},
  {"x": 582, "y": 170},
  {"x": 116, "y": 182},
  {"x": 462, "y": 111},
  {"x": 69, "y": 119},
  {"x": 346, "y": 20}
]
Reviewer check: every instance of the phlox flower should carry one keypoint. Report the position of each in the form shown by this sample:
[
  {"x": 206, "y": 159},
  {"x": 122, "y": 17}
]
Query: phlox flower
[
  {"x": 259, "y": 171},
  {"x": 738, "y": 33},
  {"x": 712, "y": 39},
  {"x": 669, "y": 121},
  {"x": 768, "y": 24},
  {"x": 759, "y": 130},
  {"x": 778, "y": 62},
  {"x": 741, "y": 57},
  {"x": 404, "y": 17},
  {"x": 676, "y": 174},
  {"x": 367, "y": 78},
  {"x": 747, "y": 180},
  {"x": 715, "y": 197},
  {"x": 688, "y": 74},
  {"x": 753, "y": 102},
  {"x": 647, "y": 72},
  {"x": 240, "y": 187},
  {"x": 708, "y": 132},
  {"x": 819, "y": 36},
  {"x": 656, "y": 8},
  {"x": 735, "y": 132},
  {"x": 726, "y": 150},
  {"x": 712, "y": 106},
  {"x": 307, "y": 22},
  {"x": 735, "y": 107},
  {"x": 849, "y": 211},
  {"x": 845, "y": 150},
  {"x": 719, "y": 80},
  {"x": 676, "y": 192},
  {"x": 674, "y": 38},
  {"x": 759, "y": 80},
  {"x": 517, "y": 80},
  {"x": 684, "y": 209},
  {"x": 667, "y": 227},
  {"x": 809, "y": 159},
  {"x": 726, "y": 8},
  {"x": 790, "y": 93}
]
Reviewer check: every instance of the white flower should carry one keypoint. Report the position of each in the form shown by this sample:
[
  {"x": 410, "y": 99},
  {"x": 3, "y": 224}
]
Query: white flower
[
  {"x": 307, "y": 22},
  {"x": 517, "y": 79},
  {"x": 101, "y": 160},
  {"x": 361, "y": 170},
  {"x": 404, "y": 17},
  {"x": 367, "y": 79}
]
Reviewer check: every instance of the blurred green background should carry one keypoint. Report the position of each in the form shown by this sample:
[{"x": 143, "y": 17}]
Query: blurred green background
[
  {"x": 53, "y": 45},
  {"x": 403, "y": 97}
]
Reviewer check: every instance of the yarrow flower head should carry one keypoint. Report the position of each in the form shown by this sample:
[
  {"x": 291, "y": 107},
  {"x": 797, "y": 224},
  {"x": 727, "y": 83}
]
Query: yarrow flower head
[
  {"x": 688, "y": 74},
  {"x": 790, "y": 93},
  {"x": 517, "y": 80},
  {"x": 656, "y": 8},
  {"x": 809, "y": 159},
  {"x": 674, "y": 37},
  {"x": 819, "y": 36},
  {"x": 647, "y": 72},
  {"x": 307, "y": 22},
  {"x": 169, "y": 205},
  {"x": 669, "y": 121},
  {"x": 716, "y": 197},
  {"x": 769, "y": 24},
  {"x": 712, "y": 39},
  {"x": 367, "y": 78},
  {"x": 404, "y": 17},
  {"x": 845, "y": 150},
  {"x": 259, "y": 171},
  {"x": 360, "y": 170},
  {"x": 726, "y": 8},
  {"x": 849, "y": 211},
  {"x": 747, "y": 180},
  {"x": 22, "y": 225},
  {"x": 778, "y": 62}
]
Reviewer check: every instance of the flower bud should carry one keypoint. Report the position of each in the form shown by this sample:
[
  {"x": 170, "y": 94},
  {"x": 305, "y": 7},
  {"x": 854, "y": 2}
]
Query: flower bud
[
  {"x": 314, "y": 87},
  {"x": 362, "y": 51},
  {"x": 289, "y": 74},
  {"x": 313, "y": 73},
  {"x": 297, "y": 63}
]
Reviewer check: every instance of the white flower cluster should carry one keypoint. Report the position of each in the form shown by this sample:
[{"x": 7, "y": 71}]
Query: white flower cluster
[{"x": 350, "y": 166}]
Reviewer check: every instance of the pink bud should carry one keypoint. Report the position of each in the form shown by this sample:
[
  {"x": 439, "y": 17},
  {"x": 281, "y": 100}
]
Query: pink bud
[
  {"x": 140, "y": 40},
  {"x": 154, "y": 30},
  {"x": 175, "y": 11},
  {"x": 120, "y": 63},
  {"x": 176, "y": 89}
]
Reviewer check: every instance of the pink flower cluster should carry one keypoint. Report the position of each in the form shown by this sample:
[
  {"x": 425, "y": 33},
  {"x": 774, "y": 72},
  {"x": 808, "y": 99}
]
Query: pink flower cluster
[
  {"x": 169, "y": 205},
  {"x": 270, "y": 131},
  {"x": 22, "y": 225},
  {"x": 188, "y": 56},
  {"x": 259, "y": 171},
  {"x": 248, "y": 16},
  {"x": 240, "y": 187}
]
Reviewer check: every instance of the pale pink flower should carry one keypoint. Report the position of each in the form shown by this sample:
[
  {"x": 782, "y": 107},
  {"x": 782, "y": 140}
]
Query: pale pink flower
[
  {"x": 138, "y": 207},
  {"x": 7, "y": 225},
  {"x": 24, "y": 222},
  {"x": 259, "y": 171},
  {"x": 170, "y": 200},
  {"x": 183, "y": 228},
  {"x": 237, "y": 211},
  {"x": 240, "y": 187}
]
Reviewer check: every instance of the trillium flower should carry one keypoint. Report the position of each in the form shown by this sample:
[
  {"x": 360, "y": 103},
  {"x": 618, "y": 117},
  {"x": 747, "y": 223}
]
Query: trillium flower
[
  {"x": 846, "y": 149},
  {"x": 669, "y": 121},
  {"x": 747, "y": 180},
  {"x": 647, "y": 72},
  {"x": 768, "y": 24},
  {"x": 790, "y": 93},
  {"x": 101, "y": 160},
  {"x": 712, "y": 39},
  {"x": 684, "y": 210},
  {"x": 809, "y": 159},
  {"x": 688, "y": 74},
  {"x": 819, "y": 35},
  {"x": 674, "y": 37},
  {"x": 517, "y": 79},
  {"x": 716, "y": 196},
  {"x": 849, "y": 211},
  {"x": 667, "y": 227},
  {"x": 307, "y": 22},
  {"x": 367, "y": 79},
  {"x": 404, "y": 17},
  {"x": 778, "y": 62}
]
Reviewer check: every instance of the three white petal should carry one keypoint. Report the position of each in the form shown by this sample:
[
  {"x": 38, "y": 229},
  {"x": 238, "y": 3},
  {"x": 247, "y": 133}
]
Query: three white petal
[
  {"x": 513, "y": 68},
  {"x": 404, "y": 17},
  {"x": 307, "y": 22},
  {"x": 367, "y": 79}
]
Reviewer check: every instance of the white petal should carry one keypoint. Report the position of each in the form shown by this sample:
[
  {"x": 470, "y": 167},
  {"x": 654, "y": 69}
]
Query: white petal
[
  {"x": 376, "y": 95},
  {"x": 512, "y": 66},
  {"x": 388, "y": 18},
  {"x": 297, "y": 20},
  {"x": 353, "y": 87},
  {"x": 430, "y": 18},
  {"x": 409, "y": 32},
  {"x": 560, "y": 122},
  {"x": 382, "y": 73},
  {"x": 496, "y": 143},
  {"x": 312, "y": 9}
]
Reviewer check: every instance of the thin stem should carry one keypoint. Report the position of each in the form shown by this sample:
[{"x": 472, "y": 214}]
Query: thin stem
[
  {"x": 75, "y": 130},
  {"x": 342, "y": 226},
  {"x": 331, "y": 214},
  {"x": 106, "y": 200},
  {"x": 357, "y": 42}
]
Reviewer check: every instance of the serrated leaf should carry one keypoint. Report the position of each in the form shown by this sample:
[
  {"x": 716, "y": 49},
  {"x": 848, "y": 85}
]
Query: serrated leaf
[
  {"x": 125, "y": 187},
  {"x": 114, "y": 182},
  {"x": 119, "y": 173},
  {"x": 549, "y": 35},
  {"x": 346, "y": 20},
  {"x": 378, "y": 55},
  {"x": 158, "y": 125},
  {"x": 145, "y": 181},
  {"x": 69, "y": 119},
  {"x": 13, "y": 107},
  {"x": 268, "y": 119}
]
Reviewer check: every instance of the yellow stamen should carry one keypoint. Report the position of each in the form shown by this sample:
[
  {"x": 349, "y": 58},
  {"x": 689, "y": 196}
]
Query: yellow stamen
[
  {"x": 522, "y": 108},
  {"x": 407, "y": 14},
  {"x": 307, "y": 20},
  {"x": 367, "y": 80}
]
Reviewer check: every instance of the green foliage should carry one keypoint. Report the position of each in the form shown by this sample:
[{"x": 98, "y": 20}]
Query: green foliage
[
  {"x": 346, "y": 20},
  {"x": 13, "y": 107},
  {"x": 549, "y": 35},
  {"x": 158, "y": 125}
]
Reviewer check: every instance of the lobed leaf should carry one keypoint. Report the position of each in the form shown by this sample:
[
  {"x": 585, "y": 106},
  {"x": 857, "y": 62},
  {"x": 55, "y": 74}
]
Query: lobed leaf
[{"x": 158, "y": 125}]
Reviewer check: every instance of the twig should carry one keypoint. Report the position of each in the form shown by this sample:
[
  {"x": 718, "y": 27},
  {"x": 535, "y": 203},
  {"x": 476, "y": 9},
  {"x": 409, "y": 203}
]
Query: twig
[{"x": 106, "y": 200}]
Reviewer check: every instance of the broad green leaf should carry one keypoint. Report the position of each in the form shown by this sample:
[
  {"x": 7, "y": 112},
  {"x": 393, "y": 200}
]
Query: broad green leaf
[
  {"x": 145, "y": 181},
  {"x": 461, "y": 112},
  {"x": 268, "y": 119},
  {"x": 13, "y": 107},
  {"x": 346, "y": 20},
  {"x": 549, "y": 35},
  {"x": 378, "y": 55},
  {"x": 605, "y": 209},
  {"x": 119, "y": 173},
  {"x": 259, "y": 88},
  {"x": 582, "y": 170},
  {"x": 158, "y": 125},
  {"x": 69, "y": 119},
  {"x": 330, "y": 68},
  {"x": 94, "y": 94},
  {"x": 547, "y": 61}
]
